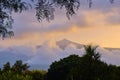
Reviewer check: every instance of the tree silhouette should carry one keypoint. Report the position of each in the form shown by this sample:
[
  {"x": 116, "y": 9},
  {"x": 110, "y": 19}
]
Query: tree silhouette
[
  {"x": 19, "y": 67},
  {"x": 60, "y": 70},
  {"x": 7, "y": 7},
  {"x": 90, "y": 53},
  {"x": 9, "y": 75},
  {"x": 6, "y": 67},
  {"x": 87, "y": 67}
]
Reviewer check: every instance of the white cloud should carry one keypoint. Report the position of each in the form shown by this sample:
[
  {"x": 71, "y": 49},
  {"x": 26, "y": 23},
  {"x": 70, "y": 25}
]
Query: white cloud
[{"x": 48, "y": 52}]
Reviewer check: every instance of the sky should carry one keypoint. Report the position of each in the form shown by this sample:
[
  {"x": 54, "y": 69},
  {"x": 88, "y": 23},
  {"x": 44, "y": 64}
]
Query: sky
[{"x": 99, "y": 25}]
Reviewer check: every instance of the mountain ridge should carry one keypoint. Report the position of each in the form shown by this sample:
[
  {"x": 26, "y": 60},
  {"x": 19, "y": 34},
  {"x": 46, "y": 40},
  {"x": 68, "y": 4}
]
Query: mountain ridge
[
  {"x": 65, "y": 42},
  {"x": 78, "y": 45}
]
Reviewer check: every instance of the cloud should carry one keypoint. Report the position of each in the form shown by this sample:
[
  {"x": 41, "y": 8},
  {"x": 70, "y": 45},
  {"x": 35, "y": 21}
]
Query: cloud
[
  {"x": 40, "y": 56},
  {"x": 80, "y": 25},
  {"x": 50, "y": 52},
  {"x": 85, "y": 17},
  {"x": 26, "y": 23},
  {"x": 47, "y": 53},
  {"x": 111, "y": 57},
  {"x": 11, "y": 54}
]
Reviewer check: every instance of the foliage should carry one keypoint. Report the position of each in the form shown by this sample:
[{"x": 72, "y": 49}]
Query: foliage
[
  {"x": 44, "y": 10},
  {"x": 19, "y": 71},
  {"x": 36, "y": 74},
  {"x": 19, "y": 67},
  {"x": 9, "y": 75},
  {"x": 87, "y": 67},
  {"x": 6, "y": 67},
  {"x": 60, "y": 70},
  {"x": 6, "y": 9}
]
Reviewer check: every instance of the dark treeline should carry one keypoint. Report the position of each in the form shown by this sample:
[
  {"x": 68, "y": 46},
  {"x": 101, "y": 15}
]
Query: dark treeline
[
  {"x": 73, "y": 67},
  {"x": 20, "y": 71}
]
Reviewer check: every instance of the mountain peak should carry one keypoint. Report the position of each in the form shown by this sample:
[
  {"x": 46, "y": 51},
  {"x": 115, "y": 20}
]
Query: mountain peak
[
  {"x": 65, "y": 43},
  {"x": 65, "y": 39}
]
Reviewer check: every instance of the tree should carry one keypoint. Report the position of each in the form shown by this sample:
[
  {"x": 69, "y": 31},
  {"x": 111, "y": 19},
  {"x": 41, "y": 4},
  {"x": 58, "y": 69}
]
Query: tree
[
  {"x": 6, "y": 67},
  {"x": 91, "y": 65},
  {"x": 59, "y": 70},
  {"x": 7, "y": 7},
  {"x": 44, "y": 10},
  {"x": 9, "y": 75},
  {"x": 19, "y": 67},
  {"x": 91, "y": 53},
  {"x": 38, "y": 74},
  {"x": 87, "y": 67}
]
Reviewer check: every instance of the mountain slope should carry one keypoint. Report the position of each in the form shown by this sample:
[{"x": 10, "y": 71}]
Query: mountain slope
[{"x": 65, "y": 43}]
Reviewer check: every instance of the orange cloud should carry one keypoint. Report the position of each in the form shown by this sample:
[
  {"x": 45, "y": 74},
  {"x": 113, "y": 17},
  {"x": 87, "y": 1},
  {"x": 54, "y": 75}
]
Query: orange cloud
[{"x": 88, "y": 26}]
